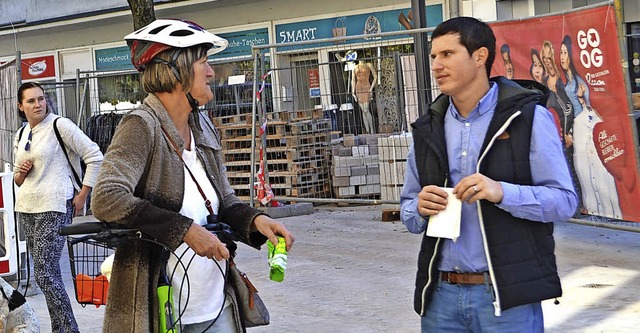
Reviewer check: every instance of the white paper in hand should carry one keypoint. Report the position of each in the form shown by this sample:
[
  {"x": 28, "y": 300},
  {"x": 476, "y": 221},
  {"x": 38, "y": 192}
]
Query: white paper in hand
[{"x": 446, "y": 224}]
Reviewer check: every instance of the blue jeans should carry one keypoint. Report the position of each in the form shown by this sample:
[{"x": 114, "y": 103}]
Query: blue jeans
[
  {"x": 225, "y": 324},
  {"x": 469, "y": 308}
]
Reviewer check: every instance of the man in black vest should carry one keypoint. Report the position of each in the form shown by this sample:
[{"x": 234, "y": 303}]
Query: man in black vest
[{"x": 493, "y": 142}]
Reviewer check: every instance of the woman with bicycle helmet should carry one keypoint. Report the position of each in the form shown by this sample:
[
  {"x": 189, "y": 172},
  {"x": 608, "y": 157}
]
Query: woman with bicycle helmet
[{"x": 165, "y": 158}]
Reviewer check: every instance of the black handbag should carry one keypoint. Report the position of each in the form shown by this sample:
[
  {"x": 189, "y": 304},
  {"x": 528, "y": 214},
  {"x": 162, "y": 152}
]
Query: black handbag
[{"x": 253, "y": 312}]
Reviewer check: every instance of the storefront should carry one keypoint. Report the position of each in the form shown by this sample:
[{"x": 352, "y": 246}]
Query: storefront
[{"x": 360, "y": 83}]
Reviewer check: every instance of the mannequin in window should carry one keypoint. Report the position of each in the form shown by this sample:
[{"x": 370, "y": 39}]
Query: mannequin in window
[{"x": 364, "y": 79}]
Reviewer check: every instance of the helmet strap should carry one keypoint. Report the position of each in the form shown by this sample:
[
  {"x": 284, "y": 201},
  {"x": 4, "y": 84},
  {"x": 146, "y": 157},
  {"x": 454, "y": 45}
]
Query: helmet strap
[
  {"x": 171, "y": 64},
  {"x": 192, "y": 101},
  {"x": 194, "y": 110}
]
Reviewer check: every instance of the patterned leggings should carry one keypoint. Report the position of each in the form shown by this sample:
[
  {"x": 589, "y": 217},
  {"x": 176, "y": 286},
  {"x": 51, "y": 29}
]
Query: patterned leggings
[{"x": 45, "y": 245}]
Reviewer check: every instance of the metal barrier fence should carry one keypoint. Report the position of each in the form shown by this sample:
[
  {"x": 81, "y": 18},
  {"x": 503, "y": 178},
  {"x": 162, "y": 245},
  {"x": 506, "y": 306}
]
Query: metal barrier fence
[
  {"x": 334, "y": 127},
  {"x": 9, "y": 121},
  {"x": 324, "y": 121}
]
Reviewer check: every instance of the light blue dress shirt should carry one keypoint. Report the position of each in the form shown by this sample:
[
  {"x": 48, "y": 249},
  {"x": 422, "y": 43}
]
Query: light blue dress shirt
[
  {"x": 570, "y": 89},
  {"x": 551, "y": 197}
]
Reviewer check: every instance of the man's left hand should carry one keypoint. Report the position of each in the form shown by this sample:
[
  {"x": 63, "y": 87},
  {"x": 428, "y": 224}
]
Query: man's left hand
[{"x": 478, "y": 186}]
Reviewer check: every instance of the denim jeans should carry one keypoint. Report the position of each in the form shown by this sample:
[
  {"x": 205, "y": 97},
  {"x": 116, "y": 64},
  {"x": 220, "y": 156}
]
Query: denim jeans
[
  {"x": 469, "y": 308},
  {"x": 224, "y": 324}
]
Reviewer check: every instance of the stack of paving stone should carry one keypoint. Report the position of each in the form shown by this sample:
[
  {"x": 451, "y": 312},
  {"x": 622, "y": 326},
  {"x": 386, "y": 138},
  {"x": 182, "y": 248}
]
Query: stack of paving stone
[
  {"x": 392, "y": 161},
  {"x": 355, "y": 169}
]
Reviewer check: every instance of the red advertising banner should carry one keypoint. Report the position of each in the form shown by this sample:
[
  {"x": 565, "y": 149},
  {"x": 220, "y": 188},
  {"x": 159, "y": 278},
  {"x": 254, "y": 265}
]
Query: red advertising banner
[
  {"x": 39, "y": 68},
  {"x": 314, "y": 82},
  {"x": 577, "y": 56}
]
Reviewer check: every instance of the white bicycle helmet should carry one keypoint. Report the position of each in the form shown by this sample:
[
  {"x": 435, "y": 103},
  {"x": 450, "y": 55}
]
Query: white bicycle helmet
[{"x": 163, "y": 34}]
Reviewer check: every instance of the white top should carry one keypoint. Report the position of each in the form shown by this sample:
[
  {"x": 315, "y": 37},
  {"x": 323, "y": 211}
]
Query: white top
[
  {"x": 49, "y": 183},
  {"x": 599, "y": 193},
  {"x": 205, "y": 279}
]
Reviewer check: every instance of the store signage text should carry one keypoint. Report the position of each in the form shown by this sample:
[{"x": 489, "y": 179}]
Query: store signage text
[
  {"x": 350, "y": 25},
  {"x": 594, "y": 57},
  {"x": 38, "y": 68},
  {"x": 298, "y": 35},
  {"x": 115, "y": 58},
  {"x": 241, "y": 42},
  {"x": 247, "y": 42}
]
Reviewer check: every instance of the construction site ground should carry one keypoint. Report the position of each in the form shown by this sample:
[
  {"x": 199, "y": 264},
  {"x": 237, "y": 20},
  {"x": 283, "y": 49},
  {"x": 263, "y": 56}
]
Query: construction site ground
[{"x": 351, "y": 272}]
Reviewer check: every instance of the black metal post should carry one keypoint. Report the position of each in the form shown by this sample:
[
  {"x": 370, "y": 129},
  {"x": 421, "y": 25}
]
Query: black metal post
[{"x": 421, "y": 49}]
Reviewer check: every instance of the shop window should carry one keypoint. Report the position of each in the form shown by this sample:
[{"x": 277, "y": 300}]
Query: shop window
[
  {"x": 384, "y": 74},
  {"x": 233, "y": 88},
  {"x": 305, "y": 77},
  {"x": 120, "y": 92},
  {"x": 633, "y": 45}
]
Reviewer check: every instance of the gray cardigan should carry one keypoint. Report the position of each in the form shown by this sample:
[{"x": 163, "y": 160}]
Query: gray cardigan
[{"x": 141, "y": 185}]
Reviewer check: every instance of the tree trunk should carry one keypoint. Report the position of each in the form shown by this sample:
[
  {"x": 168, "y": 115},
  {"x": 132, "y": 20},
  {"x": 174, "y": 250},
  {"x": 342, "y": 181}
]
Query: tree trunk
[{"x": 142, "y": 12}]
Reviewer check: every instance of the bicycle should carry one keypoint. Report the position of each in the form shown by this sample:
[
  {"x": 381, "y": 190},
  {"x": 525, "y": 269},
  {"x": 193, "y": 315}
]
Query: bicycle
[{"x": 96, "y": 242}]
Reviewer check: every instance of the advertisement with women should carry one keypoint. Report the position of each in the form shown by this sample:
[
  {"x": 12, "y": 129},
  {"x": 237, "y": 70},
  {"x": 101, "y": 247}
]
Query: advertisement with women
[{"x": 576, "y": 55}]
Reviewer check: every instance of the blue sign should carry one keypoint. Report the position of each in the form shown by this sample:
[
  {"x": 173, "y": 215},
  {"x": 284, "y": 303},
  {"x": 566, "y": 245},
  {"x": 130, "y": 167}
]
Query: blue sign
[
  {"x": 240, "y": 42},
  {"x": 116, "y": 58},
  {"x": 353, "y": 25},
  {"x": 314, "y": 92}
]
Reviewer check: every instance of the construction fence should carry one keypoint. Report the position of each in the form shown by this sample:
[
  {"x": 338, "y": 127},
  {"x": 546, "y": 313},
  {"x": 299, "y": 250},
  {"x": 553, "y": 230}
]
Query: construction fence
[
  {"x": 325, "y": 121},
  {"x": 329, "y": 123}
]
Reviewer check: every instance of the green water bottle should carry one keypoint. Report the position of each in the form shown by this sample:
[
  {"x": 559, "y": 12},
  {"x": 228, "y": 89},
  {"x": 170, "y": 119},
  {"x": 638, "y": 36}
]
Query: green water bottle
[
  {"x": 167, "y": 322},
  {"x": 277, "y": 259}
]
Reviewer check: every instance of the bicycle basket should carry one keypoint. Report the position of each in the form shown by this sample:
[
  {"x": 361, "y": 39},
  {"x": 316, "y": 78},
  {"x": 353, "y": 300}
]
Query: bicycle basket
[{"x": 86, "y": 258}]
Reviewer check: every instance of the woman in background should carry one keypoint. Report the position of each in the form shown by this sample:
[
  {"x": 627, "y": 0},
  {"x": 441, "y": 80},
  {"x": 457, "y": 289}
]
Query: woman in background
[
  {"x": 559, "y": 101},
  {"x": 536, "y": 70},
  {"x": 538, "y": 73},
  {"x": 48, "y": 197},
  {"x": 575, "y": 87}
]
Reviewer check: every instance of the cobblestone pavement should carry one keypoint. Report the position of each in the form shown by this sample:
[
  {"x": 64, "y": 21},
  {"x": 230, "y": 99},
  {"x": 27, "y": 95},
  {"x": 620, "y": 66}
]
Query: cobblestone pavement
[{"x": 350, "y": 272}]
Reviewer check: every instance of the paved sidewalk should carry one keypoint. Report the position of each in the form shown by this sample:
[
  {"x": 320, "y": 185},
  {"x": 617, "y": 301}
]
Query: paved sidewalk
[{"x": 350, "y": 272}]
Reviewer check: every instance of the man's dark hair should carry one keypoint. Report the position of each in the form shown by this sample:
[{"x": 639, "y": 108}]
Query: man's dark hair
[{"x": 473, "y": 33}]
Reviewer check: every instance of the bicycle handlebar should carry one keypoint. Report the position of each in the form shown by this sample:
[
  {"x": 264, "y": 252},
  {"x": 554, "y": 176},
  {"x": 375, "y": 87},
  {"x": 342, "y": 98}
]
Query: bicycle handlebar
[
  {"x": 99, "y": 231},
  {"x": 103, "y": 230},
  {"x": 83, "y": 228}
]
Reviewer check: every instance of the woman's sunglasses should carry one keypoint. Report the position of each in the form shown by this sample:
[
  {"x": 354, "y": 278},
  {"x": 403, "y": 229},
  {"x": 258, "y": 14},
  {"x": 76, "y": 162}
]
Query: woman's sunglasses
[{"x": 27, "y": 146}]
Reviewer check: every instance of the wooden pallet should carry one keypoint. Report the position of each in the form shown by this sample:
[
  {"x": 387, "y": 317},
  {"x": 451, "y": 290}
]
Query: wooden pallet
[
  {"x": 308, "y": 140},
  {"x": 243, "y": 191},
  {"x": 273, "y": 141},
  {"x": 232, "y": 120},
  {"x": 299, "y": 167},
  {"x": 310, "y": 127},
  {"x": 282, "y": 179},
  {"x": 301, "y": 115},
  {"x": 318, "y": 189},
  {"x": 242, "y": 130},
  {"x": 389, "y": 215}
]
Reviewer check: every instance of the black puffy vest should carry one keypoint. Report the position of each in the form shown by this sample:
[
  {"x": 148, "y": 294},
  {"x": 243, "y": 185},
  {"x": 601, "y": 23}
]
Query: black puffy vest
[{"x": 521, "y": 251}]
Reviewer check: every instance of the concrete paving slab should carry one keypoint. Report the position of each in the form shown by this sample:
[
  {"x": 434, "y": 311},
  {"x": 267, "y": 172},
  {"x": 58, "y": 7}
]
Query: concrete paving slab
[{"x": 351, "y": 272}]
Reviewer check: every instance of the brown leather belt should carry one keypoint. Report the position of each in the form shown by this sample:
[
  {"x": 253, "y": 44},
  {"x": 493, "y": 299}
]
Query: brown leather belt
[{"x": 464, "y": 278}]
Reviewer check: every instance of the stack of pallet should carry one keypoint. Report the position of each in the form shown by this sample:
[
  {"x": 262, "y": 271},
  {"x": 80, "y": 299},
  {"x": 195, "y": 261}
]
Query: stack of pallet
[
  {"x": 296, "y": 154},
  {"x": 392, "y": 156},
  {"x": 355, "y": 168}
]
